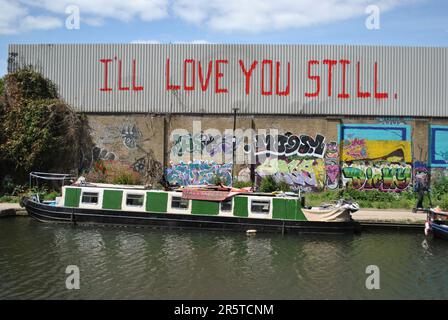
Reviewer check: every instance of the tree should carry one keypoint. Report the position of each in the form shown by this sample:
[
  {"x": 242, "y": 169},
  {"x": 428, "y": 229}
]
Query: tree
[{"x": 38, "y": 130}]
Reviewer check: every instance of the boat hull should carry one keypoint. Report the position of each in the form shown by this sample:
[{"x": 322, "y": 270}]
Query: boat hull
[
  {"x": 47, "y": 213},
  {"x": 439, "y": 231}
]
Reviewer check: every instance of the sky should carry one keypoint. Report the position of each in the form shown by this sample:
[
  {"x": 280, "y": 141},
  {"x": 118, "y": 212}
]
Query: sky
[{"x": 363, "y": 22}]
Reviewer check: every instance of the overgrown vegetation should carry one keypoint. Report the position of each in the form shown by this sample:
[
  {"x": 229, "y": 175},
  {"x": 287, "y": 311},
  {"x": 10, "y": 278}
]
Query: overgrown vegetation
[
  {"x": 269, "y": 184},
  {"x": 2, "y": 85},
  {"x": 113, "y": 172},
  {"x": 242, "y": 184},
  {"x": 38, "y": 131},
  {"x": 384, "y": 200}
]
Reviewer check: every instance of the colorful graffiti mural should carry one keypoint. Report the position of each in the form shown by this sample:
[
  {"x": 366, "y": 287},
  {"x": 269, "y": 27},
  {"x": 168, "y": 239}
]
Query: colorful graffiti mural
[
  {"x": 332, "y": 165},
  {"x": 198, "y": 172},
  {"x": 202, "y": 143},
  {"x": 438, "y": 146},
  {"x": 376, "y": 156},
  {"x": 299, "y": 160},
  {"x": 298, "y": 172},
  {"x": 287, "y": 145},
  {"x": 382, "y": 176}
]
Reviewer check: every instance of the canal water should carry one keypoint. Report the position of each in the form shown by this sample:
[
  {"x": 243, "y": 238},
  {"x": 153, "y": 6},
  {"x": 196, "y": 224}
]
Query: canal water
[{"x": 129, "y": 263}]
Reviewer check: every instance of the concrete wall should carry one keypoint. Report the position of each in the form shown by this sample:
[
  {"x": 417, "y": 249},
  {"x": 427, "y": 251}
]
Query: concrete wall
[{"x": 372, "y": 153}]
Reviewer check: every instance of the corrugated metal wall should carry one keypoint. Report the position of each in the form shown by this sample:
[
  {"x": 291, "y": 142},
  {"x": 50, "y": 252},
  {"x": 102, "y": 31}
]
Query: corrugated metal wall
[{"x": 415, "y": 78}]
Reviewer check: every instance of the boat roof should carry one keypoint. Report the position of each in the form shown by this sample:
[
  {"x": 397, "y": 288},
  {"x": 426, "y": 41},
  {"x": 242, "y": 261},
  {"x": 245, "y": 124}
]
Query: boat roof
[{"x": 180, "y": 189}]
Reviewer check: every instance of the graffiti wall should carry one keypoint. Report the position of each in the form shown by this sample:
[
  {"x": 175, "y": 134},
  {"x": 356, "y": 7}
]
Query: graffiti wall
[
  {"x": 302, "y": 161},
  {"x": 198, "y": 172},
  {"x": 376, "y": 156},
  {"x": 439, "y": 146},
  {"x": 132, "y": 140}
]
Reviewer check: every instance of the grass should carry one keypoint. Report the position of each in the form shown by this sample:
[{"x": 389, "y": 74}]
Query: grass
[
  {"x": 9, "y": 199},
  {"x": 367, "y": 198},
  {"x": 43, "y": 194}
]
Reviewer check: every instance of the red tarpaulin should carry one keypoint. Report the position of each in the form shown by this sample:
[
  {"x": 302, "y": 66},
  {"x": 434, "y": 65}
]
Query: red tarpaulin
[{"x": 210, "y": 195}]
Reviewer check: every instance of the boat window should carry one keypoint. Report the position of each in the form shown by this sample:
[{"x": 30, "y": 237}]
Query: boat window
[
  {"x": 134, "y": 200},
  {"x": 260, "y": 206},
  {"x": 226, "y": 205},
  {"x": 89, "y": 197},
  {"x": 179, "y": 203}
]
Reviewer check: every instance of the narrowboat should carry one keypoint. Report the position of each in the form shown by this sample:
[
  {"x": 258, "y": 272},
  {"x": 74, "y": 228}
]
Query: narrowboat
[
  {"x": 201, "y": 207},
  {"x": 437, "y": 223}
]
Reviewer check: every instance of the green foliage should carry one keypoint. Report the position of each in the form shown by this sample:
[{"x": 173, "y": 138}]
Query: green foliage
[
  {"x": 38, "y": 131},
  {"x": 216, "y": 180},
  {"x": 30, "y": 85},
  {"x": 366, "y": 198},
  {"x": 51, "y": 195},
  {"x": 283, "y": 186},
  {"x": 113, "y": 172},
  {"x": 439, "y": 193},
  {"x": 318, "y": 198},
  {"x": 126, "y": 178},
  {"x": 268, "y": 184},
  {"x": 9, "y": 199},
  {"x": 242, "y": 184},
  {"x": 440, "y": 188},
  {"x": 2, "y": 85}
]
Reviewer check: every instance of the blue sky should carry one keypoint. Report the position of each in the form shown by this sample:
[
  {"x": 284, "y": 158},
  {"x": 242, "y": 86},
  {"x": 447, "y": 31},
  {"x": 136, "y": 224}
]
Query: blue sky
[{"x": 401, "y": 22}]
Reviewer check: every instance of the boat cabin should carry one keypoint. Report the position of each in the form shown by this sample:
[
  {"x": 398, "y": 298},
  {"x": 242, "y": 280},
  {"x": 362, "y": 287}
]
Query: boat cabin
[{"x": 139, "y": 199}]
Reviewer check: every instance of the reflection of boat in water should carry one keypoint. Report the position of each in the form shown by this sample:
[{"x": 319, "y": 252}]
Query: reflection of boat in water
[
  {"x": 204, "y": 207},
  {"x": 437, "y": 223}
]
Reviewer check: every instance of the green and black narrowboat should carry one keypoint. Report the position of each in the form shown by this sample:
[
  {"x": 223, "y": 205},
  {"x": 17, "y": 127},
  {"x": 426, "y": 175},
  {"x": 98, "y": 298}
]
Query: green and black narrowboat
[{"x": 199, "y": 207}]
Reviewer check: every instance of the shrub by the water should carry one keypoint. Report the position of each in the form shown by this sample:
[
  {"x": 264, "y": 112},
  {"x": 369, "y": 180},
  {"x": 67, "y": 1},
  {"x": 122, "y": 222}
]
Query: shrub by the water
[
  {"x": 269, "y": 184},
  {"x": 38, "y": 132},
  {"x": 113, "y": 172}
]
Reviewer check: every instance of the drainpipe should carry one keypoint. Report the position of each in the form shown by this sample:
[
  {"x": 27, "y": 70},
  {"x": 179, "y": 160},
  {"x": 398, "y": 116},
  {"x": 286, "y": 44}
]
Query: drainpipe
[{"x": 235, "y": 110}]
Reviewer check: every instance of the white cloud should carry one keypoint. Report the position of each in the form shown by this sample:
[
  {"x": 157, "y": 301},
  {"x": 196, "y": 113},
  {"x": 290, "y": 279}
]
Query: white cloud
[
  {"x": 218, "y": 15},
  {"x": 39, "y": 22},
  {"x": 14, "y": 18},
  {"x": 124, "y": 10},
  {"x": 263, "y": 15}
]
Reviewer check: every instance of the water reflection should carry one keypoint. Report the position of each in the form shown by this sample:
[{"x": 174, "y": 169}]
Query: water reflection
[{"x": 128, "y": 263}]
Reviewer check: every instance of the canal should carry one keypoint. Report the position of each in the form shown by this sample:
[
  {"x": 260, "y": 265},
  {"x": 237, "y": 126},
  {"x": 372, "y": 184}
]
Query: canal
[{"x": 129, "y": 263}]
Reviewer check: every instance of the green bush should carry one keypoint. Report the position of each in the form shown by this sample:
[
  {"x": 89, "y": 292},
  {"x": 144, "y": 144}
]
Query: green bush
[
  {"x": 439, "y": 189},
  {"x": 2, "y": 85},
  {"x": 216, "y": 180},
  {"x": 283, "y": 186},
  {"x": 51, "y": 195},
  {"x": 268, "y": 184},
  {"x": 366, "y": 198},
  {"x": 242, "y": 184},
  {"x": 9, "y": 199},
  {"x": 114, "y": 172},
  {"x": 38, "y": 132}
]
